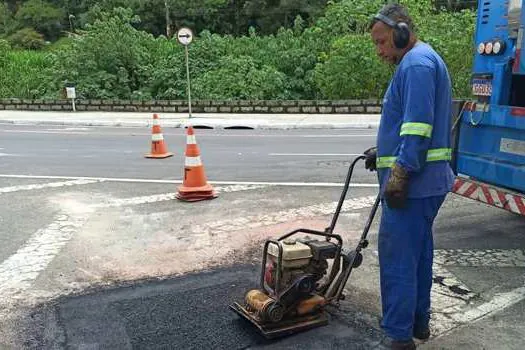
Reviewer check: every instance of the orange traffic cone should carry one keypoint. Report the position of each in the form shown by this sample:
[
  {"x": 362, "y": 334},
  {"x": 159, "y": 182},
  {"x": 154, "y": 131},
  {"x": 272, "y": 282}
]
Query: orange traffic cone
[
  {"x": 158, "y": 147},
  {"x": 194, "y": 188}
]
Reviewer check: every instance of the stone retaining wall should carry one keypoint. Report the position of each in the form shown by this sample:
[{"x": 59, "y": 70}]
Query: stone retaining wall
[{"x": 180, "y": 106}]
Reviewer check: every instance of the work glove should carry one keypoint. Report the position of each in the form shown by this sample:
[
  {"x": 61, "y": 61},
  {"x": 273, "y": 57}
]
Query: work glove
[
  {"x": 371, "y": 158},
  {"x": 396, "y": 190}
]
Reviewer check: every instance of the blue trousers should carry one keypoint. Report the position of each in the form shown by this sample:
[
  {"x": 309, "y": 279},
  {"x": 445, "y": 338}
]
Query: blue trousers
[{"x": 405, "y": 259}]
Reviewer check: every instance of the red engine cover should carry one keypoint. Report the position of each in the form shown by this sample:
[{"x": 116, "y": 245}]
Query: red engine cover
[{"x": 268, "y": 274}]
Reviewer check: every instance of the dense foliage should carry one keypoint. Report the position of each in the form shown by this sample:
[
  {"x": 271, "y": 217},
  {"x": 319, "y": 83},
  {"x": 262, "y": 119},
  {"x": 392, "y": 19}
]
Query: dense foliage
[{"x": 119, "y": 50}]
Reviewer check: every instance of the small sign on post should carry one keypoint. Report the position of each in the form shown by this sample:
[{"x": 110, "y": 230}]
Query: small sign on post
[
  {"x": 71, "y": 94},
  {"x": 185, "y": 37}
]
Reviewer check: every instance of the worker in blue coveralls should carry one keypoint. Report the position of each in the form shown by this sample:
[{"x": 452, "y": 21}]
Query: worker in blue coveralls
[{"x": 412, "y": 159}]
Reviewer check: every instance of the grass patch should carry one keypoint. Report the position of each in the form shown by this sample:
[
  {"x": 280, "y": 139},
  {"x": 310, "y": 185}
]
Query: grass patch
[{"x": 25, "y": 74}]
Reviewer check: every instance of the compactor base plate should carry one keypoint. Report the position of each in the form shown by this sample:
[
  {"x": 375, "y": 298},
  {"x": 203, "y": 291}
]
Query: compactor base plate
[{"x": 286, "y": 326}]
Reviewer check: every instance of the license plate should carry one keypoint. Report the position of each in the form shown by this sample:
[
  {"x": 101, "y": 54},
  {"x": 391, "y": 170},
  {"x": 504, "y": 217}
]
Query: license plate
[{"x": 482, "y": 87}]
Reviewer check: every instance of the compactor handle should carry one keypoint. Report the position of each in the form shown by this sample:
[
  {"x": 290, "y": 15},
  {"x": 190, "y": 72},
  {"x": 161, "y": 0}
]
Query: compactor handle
[{"x": 331, "y": 228}]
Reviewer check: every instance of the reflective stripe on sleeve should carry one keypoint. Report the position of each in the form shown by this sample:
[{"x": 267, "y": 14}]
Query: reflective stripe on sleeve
[
  {"x": 438, "y": 154},
  {"x": 385, "y": 162},
  {"x": 417, "y": 129},
  {"x": 433, "y": 155}
]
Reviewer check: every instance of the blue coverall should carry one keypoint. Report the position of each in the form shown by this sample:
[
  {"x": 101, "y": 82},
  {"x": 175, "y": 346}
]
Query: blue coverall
[{"x": 415, "y": 132}]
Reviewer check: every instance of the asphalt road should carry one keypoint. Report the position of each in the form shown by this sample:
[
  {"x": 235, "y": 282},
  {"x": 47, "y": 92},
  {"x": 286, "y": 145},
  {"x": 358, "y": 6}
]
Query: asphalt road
[
  {"x": 230, "y": 155},
  {"x": 114, "y": 262}
]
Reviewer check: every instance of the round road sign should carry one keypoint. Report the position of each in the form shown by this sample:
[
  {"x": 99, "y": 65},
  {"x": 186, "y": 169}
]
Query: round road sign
[{"x": 184, "y": 36}]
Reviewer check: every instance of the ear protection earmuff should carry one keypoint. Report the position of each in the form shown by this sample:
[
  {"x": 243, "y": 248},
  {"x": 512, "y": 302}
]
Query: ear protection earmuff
[{"x": 401, "y": 30}]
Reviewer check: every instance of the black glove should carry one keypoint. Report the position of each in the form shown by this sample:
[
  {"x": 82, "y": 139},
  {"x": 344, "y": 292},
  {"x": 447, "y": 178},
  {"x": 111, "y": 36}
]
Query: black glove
[
  {"x": 371, "y": 158},
  {"x": 396, "y": 190}
]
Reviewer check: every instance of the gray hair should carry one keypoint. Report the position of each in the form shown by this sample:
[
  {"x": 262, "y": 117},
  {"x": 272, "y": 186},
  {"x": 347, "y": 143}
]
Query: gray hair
[{"x": 397, "y": 13}]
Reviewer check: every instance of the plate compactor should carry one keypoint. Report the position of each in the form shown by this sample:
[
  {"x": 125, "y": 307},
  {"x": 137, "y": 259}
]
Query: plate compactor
[{"x": 295, "y": 285}]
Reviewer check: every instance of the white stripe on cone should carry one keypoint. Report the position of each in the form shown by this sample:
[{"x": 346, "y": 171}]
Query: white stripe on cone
[
  {"x": 156, "y": 122},
  {"x": 157, "y": 137},
  {"x": 191, "y": 140},
  {"x": 193, "y": 161}
]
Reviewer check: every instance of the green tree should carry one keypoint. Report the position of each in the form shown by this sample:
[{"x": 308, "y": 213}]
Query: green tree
[
  {"x": 8, "y": 24},
  {"x": 351, "y": 60},
  {"x": 27, "y": 38},
  {"x": 42, "y": 16},
  {"x": 240, "y": 77},
  {"x": 270, "y": 15},
  {"x": 111, "y": 61}
]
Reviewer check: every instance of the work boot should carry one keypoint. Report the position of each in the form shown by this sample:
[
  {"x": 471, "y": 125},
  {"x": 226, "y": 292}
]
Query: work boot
[
  {"x": 387, "y": 343},
  {"x": 421, "y": 337},
  {"x": 402, "y": 345}
]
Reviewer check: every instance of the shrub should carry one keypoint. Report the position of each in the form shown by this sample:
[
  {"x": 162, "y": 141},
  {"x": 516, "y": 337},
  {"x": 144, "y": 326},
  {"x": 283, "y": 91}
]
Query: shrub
[{"x": 27, "y": 38}]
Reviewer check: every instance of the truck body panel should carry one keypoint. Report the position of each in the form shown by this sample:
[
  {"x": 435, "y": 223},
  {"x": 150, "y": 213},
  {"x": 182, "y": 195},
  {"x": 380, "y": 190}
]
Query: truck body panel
[{"x": 490, "y": 135}]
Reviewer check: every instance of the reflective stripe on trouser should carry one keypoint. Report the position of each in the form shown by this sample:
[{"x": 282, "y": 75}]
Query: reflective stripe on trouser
[
  {"x": 433, "y": 155},
  {"x": 405, "y": 250}
]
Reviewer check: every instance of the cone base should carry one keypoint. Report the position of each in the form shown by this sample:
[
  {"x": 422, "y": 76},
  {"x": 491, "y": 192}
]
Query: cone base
[
  {"x": 200, "y": 189},
  {"x": 196, "y": 196},
  {"x": 158, "y": 156}
]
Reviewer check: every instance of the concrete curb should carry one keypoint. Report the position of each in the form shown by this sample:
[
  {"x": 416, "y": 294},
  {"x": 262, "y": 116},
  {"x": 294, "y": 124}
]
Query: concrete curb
[{"x": 177, "y": 120}]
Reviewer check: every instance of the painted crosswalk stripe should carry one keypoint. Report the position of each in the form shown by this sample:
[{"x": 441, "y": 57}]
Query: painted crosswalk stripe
[
  {"x": 20, "y": 270},
  {"x": 468, "y": 315},
  {"x": 499, "y": 302},
  {"x": 453, "y": 304}
]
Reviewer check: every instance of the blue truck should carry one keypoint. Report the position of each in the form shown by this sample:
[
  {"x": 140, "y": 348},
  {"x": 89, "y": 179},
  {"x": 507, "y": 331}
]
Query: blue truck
[{"x": 489, "y": 132}]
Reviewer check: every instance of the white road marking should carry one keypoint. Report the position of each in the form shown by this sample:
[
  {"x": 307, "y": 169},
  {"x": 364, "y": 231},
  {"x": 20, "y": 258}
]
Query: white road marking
[
  {"x": 262, "y": 183},
  {"x": 448, "y": 295},
  {"x": 448, "y": 285},
  {"x": 315, "y": 154},
  {"x": 119, "y": 202},
  {"x": 497, "y": 303},
  {"x": 452, "y": 308},
  {"x": 7, "y": 155},
  {"x": 47, "y": 185},
  {"x": 70, "y": 129},
  {"x": 466, "y": 316},
  {"x": 20, "y": 270},
  {"x": 43, "y": 132}
]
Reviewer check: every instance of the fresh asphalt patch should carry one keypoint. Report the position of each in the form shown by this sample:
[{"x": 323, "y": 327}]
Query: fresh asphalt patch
[{"x": 185, "y": 312}]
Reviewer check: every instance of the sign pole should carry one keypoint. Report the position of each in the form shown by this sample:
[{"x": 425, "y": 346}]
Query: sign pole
[
  {"x": 188, "y": 77},
  {"x": 185, "y": 37}
]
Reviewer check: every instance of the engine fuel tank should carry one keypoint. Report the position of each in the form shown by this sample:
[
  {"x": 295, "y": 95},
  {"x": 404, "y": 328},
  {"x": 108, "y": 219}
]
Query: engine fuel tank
[{"x": 295, "y": 254}]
